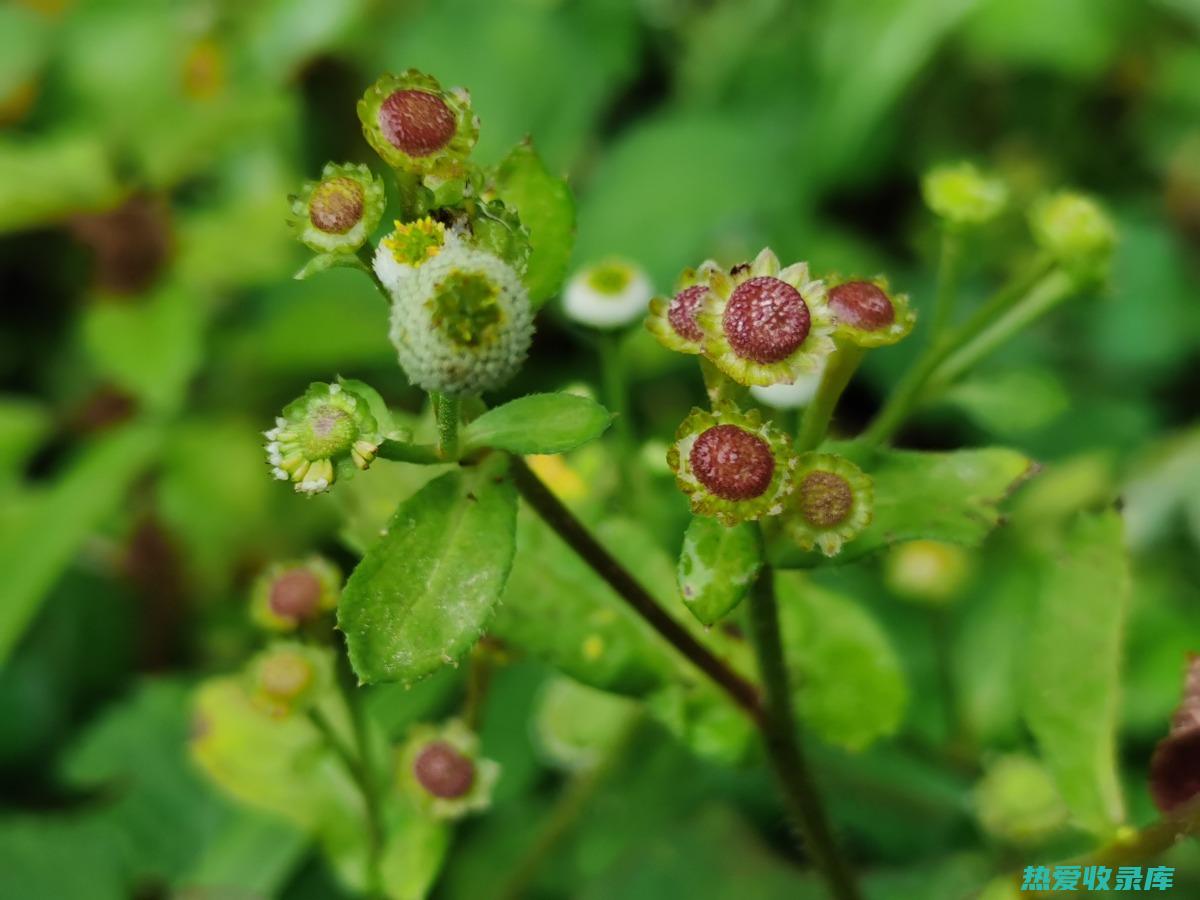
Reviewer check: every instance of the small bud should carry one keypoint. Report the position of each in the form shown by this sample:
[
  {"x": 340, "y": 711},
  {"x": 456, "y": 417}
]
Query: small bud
[
  {"x": 286, "y": 677},
  {"x": 416, "y": 126},
  {"x": 673, "y": 321},
  {"x": 1018, "y": 802},
  {"x": 832, "y": 502},
  {"x": 338, "y": 212},
  {"x": 440, "y": 768},
  {"x": 763, "y": 325},
  {"x": 328, "y": 431},
  {"x": 927, "y": 572},
  {"x": 1175, "y": 766},
  {"x": 1075, "y": 231},
  {"x": 290, "y": 593},
  {"x": 733, "y": 466},
  {"x": 610, "y": 294},
  {"x": 866, "y": 314},
  {"x": 963, "y": 195}
]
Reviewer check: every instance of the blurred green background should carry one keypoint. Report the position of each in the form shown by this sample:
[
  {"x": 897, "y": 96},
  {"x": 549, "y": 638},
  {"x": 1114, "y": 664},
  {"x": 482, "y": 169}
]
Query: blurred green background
[{"x": 151, "y": 329}]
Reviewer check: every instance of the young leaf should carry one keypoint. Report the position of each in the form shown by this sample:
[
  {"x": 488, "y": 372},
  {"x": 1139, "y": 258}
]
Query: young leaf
[
  {"x": 539, "y": 423},
  {"x": 1073, "y": 665},
  {"x": 716, "y": 567},
  {"x": 421, "y": 595},
  {"x": 547, "y": 209}
]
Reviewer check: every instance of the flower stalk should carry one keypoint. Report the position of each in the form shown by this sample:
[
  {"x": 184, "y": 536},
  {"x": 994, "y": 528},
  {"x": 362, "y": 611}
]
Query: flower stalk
[{"x": 814, "y": 424}]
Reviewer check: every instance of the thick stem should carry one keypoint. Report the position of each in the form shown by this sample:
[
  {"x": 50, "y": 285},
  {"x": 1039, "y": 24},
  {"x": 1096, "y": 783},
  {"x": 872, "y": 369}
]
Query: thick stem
[
  {"x": 447, "y": 412},
  {"x": 579, "y": 539},
  {"x": 783, "y": 747},
  {"x": 402, "y": 451},
  {"x": 817, "y": 415}
]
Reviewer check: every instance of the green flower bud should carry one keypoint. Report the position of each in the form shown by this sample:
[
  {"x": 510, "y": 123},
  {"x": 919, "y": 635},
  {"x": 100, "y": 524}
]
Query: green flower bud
[
  {"x": 962, "y": 195},
  {"x": 610, "y": 294},
  {"x": 288, "y": 594},
  {"x": 416, "y": 126},
  {"x": 441, "y": 770},
  {"x": 733, "y": 466},
  {"x": 865, "y": 312},
  {"x": 928, "y": 572},
  {"x": 338, "y": 212},
  {"x": 327, "y": 432},
  {"x": 765, "y": 325},
  {"x": 1018, "y": 802},
  {"x": 287, "y": 677},
  {"x": 832, "y": 503},
  {"x": 1076, "y": 231}
]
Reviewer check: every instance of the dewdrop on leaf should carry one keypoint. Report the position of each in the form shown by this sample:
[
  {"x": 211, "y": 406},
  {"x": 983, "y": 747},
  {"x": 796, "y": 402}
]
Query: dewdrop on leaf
[{"x": 610, "y": 294}]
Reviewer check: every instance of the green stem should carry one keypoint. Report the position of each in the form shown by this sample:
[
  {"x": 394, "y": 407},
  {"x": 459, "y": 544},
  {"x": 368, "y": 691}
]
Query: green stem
[
  {"x": 447, "y": 409},
  {"x": 949, "y": 270},
  {"x": 783, "y": 747},
  {"x": 401, "y": 451},
  {"x": 817, "y": 415}
]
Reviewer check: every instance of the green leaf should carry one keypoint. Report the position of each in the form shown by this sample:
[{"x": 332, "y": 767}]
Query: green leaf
[
  {"x": 576, "y": 725},
  {"x": 1073, "y": 666},
  {"x": 716, "y": 567},
  {"x": 23, "y": 424},
  {"x": 40, "y": 545},
  {"x": 45, "y": 180},
  {"x": 1011, "y": 402},
  {"x": 253, "y": 853},
  {"x": 952, "y": 497},
  {"x": 848, "y": 683},
  {"x": 539, "y": 423},
  {"x": 547, "y": 209},
  {"x": 413, "y": 856},
  {"x": 421, "y": 595}
]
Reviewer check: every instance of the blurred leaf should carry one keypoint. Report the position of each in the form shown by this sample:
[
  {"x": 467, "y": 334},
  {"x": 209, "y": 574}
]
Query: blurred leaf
[
  {"x": 547, "y": 209},
  {"x": 1076, "y": 37},
  {"x": 44, "y": 180},
  {"x": 24, "y": 45},
  {"x": 576, "y": 725},
  {"x": 23, "y": 424},
  {"x": 717, "y": 565},
  {"x": 705, "y": 721},
  {"x": 420, "y": 597},
  {"x": 280, "y": 35},
  {"x": 1073, "y": 664},
  {"x": 254, "y": 854},
  {"x": 59, "y": 858},
  {"x": 413, "y": 856},
  {"x": 1012, "y": 402},
  {"x": 56, "y": 523},
  {"x": 538, "y": 423},
  {"x": 848, "y": 683},
  {"x": 1164, "y": 485}
]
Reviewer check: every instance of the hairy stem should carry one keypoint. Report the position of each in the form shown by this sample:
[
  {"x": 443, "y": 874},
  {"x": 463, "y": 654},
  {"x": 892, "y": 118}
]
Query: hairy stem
[
  {"x": 447, "y": 408},
  {"x": 780, "y": 732},
  {"x": 817, "y": 415}
]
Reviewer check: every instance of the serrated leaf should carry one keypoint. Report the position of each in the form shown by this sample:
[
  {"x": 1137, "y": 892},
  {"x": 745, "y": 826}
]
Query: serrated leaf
[
  {"x": 421, "y": 595},
  {"x": 539, "y": 423},
  {"x": 546, "y": 207},
  {"x": 1073, "y": 666},
  {"x": 717, "y": 566},
  {"x": 847, "y": 680},
  {"x": 953, "y": 496}
]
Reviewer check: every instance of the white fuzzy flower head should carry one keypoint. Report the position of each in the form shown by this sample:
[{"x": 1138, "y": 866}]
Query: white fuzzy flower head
[
  {"x": 610, "y": 294},
  {"x": 409, "y": 247},
  {"x": 461, "y": 320}
]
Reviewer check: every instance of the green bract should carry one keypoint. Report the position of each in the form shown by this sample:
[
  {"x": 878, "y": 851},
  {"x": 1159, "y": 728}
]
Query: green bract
[
  {"x": 416, "y": 126},
  {"x": 733, "y": 466},
  {"x": 831, "y": 504},
  {"x": 960, "y": 193},
  {"x": 867, "y": 314},
  {"x": 763, "y": 324},
  {"x": 287, "y": 594},
  {"x": 328, "y": 432},
  {"x": 440, "y": 769},
  {"x": 1076, "y": 231},
  {"x": 338, "y": 212}
]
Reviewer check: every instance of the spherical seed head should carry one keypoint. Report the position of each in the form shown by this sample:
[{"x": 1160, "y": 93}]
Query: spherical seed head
[
  {"x": 336, "y": 205},
  {"x": 285, "y": 675},
  {"x": 465, "y": 308},
  {"x": 732, "y": 462},
  {"x": 766, "y": 319},
  {"x": 825, "y": 499},
  {"x": 682, "y": 312},
  {"x": 443, "y": 771},
  {"x": 417, "y": 122},
  {"x": 296, "y": 594},
  {"x": 862, "y": 304}
]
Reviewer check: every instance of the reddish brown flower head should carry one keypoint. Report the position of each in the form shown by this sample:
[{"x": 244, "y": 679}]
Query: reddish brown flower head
[
  {"x": 825, "y": 499},
  {"x": 417, "y": 122},
  {"x": 732, "y": 463},
  {"x": 682, "y": 312},
  {"x": 1175, "y": 770},
  {"x": 336, "y": 205},
  {"x": 862, "y": 305},
  {"x": 765, "y": 320},
  {"x": 443, "y": 771},
  {"x": 296, "y": 594}
]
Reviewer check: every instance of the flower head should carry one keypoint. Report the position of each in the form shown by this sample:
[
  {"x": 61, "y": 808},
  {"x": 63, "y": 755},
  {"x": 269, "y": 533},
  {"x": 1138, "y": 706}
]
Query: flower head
[
  {"x": 415, "y": 125},
  {"x": 673, "y": 320},
  {"x": 462, "y": 323},
  {"x": 288, "y": 594},
  {"x": 831, "y": 504},
  {"x": 288, "y": 677},
  {"x": 763, "y": 325},
  {"x": 410, "y": 246},
  {"x": 338, "y": 212},
  {"x": 963, "y": 195},
  {"x": 733, "y": 466},
  {"x": 327, "y": 432},
  {"x": 927, "y": 572},
  {"x": 865, "y": 313},
  {"x": 1076, "y": 231},
  {"x": 440, "y": 768},
  {"x": 610, "y": 294}
]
